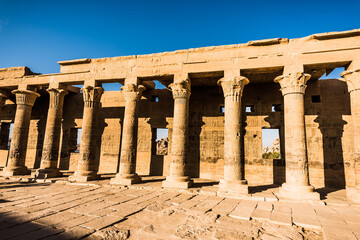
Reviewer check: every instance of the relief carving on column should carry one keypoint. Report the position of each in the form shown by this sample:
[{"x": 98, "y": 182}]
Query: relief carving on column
[
  {"x": 352, "y": 78},
  {"x": 56, "y": 97},
  {"x": 92, "y": 95},
  {"x": 132, "y": 92},
  {"x": 25, "y": 97},
  {"x": 293, "y": 82},
  {"x": 233, "y": 86},
  {"x": 181, "y": 89}
]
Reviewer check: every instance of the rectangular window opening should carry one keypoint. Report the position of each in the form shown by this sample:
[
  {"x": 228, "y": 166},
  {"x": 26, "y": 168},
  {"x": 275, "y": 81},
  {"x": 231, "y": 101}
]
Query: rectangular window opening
[
  {"x": 315, "y": 99},
  {"x": 250, "y": 108},
  {"x": 276, "y": 108},
  {"x": 155, "y": 99},
  {"x": 270, "y": 143},
  {"x": 160, "y": 141}
]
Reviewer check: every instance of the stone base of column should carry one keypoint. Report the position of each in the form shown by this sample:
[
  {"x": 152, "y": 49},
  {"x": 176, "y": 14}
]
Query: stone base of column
[
  {"x": 298, "y": 193},
  {"x": 237, "y": 188},
  {"x": 353, "y": 193},
  {"x": 83, "y": 177},
  {"x": 47, "y": 173},
  {"x": 13, "y": 171},
  {"x": 177, "y": 182},
  {"x": 126, "y": 180}
]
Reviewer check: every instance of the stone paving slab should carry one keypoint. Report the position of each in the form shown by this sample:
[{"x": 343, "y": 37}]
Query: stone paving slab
[{"x": 65, "y": 211}]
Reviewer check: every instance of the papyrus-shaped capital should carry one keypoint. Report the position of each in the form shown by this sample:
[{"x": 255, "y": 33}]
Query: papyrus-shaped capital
[
  {"x": 293, "y": 82},
  {"x": 92, "y": 95},
  {"x": 352, "y": 78},
  {"x": 132, "y": 92},
  {"x": 233, "y": 86}
]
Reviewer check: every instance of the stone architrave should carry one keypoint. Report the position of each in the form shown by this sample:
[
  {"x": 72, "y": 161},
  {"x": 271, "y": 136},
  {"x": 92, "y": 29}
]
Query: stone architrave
[
  {"x": 234, "y": 182},
  {"x": 296, "y": 186},
  {"x": 352, "y": 78},
  {"x": 25, "y": 100},
  {"x": 127, "y": 170},
  {"x": 87, "y": 167},
  {"x": 50, "y": 154},
  {"x": 177, "y": 178}
]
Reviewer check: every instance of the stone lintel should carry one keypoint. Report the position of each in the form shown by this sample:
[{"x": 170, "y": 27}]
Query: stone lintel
[
  {"x": 266, "y": 42},
  {"x": 333, "y": 35},
  {"x": 73, "y": 62}
]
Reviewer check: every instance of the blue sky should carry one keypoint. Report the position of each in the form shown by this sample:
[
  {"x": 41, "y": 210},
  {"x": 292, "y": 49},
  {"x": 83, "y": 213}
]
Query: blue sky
[{"x": 38, "y": 34}]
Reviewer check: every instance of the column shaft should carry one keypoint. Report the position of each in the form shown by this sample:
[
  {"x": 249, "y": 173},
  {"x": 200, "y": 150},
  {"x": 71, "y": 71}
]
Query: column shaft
[
  {"x": 87, "y": 167},
  {"x": 50, "y": 153},
  {"x": 352, "y": 78},
  {"x": 297, "y": 185},
  {"x": 355, "y": 115},
  {"x": 127, "y": 169},
  {"x": 177, "y": 177},
  {"x": 234, "y": 182},
  {"x": 295, "y": 147},
  {"x": 179, "y": 138},
  {"x": 25, "y": 99}
]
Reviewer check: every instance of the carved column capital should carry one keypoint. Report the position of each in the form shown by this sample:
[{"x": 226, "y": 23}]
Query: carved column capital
[
  {"x": 181, "y": 89},
  {"x": 56, "y": 96},
  {"x": 25, "y": 97},
  {"x": 352, "y": 78},
  {"x": 92, "y": 95},
  {"x": 233, "y": 86},
  {"x": 132, "y": 92},
  {"x": 293, "y": 82}
]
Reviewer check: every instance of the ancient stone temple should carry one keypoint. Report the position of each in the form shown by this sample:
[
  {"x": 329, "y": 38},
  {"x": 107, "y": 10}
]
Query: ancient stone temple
[{"x": 217, "y": 102}]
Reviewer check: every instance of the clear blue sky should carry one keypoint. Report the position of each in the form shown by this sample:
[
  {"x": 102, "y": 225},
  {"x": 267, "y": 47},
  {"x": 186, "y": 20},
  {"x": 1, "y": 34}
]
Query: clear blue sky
[{"x": 38, "y": 34}]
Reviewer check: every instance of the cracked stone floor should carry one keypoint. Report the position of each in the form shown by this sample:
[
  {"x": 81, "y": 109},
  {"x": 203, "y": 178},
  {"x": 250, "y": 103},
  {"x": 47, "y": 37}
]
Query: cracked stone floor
[{"x": 58, "y": 209}]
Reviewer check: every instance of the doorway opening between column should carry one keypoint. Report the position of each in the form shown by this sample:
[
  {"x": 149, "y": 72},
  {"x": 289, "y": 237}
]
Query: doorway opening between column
[
  {"x": 160, "y": 146},
  {"x": 271, "y": 154},
  {"x": 11, "y": 128}
]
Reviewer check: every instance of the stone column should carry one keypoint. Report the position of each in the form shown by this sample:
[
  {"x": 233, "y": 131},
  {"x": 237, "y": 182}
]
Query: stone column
[
  {"x": 127, "y": 169},
  {"x": 177, "y": 178},
  {"x": 87, "y": 165},
  {"x": 234, "y": 182},
  {"x": 297, "y": 185},
  {"x": 50, "y": 154},
  {"x": 352, "y": 78},
  {"x": 25, "y": 100}
]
